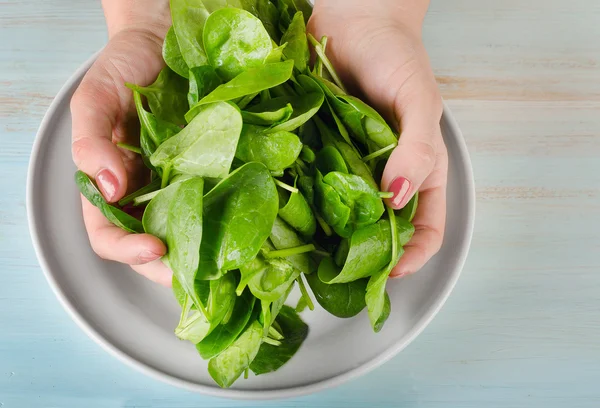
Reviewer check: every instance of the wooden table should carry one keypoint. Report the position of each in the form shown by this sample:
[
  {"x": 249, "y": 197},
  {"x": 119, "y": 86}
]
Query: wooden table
[{"x": 522, "y": 328}]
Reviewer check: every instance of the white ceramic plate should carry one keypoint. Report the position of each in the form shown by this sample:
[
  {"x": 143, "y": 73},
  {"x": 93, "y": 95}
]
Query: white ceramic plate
[{"x": 134, "y": 319}]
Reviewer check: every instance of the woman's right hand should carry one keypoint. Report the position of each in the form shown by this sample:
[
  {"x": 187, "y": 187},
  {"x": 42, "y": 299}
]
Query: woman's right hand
[{"x": 103, "y": 114}]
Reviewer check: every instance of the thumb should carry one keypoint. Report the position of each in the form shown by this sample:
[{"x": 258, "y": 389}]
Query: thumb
[
  {"x": 93, "y": 114},
  {"x": 414, "y": 158}
]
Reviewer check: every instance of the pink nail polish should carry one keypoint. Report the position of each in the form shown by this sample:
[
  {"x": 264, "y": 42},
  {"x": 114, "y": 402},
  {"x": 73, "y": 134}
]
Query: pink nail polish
[
  {"x": 107, "y": 183},
  {"x": 401, "y": 188}
]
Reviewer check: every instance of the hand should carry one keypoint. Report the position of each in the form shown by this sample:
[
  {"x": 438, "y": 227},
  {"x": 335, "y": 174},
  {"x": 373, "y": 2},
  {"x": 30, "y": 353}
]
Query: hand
[
  {"x": 376, "y": 47},
  {"x": 103, "y": 114}
]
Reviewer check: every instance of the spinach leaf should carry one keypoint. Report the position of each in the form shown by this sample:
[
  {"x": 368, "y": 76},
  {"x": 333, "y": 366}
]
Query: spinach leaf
[
  {"x": 203, "y": 80},
  {"x": 277, "y": 151},
  {"x": 221, "y": 298},
  {"x": 377, "y": 300},
  {"x": 234, "y": 41},
  {"x": 352, "y": 159},
  {"x": 238, "y": 216},
  {"x": 374, "y": 126},
  {"x": 225, "y": 334},
  {"x": 304, "y": 106},
  {"x": 330, "y": 205},
  {"x": 193, "y": 328},
  {"x": 363, "y": 200},
  {"x": 172, "y": 54},
  {"x": 268, "y": 118},
  {"x": 226, "y": 367},
  {"x": 271, "y": 278},
  {"x": 284, "y": 237},
  {"x": 277, "y": 305},
  {"x": 184, "y": 234},
  {"x": 296, "y": 211},
  {"x": 156, "y": 213},
  {"x": 189, "y": 17},
  {"x": 153, "y": 131},
  {"x": 297, "y": 44},
  {"x": 410, "y": 209},
  {"x": 116, "y": 216},
  {"x": 288, "y": 8},
  {"x": 167, "y": 96},
  {"x": 269, "y": 15},
  {"x": 249, "y": 82},
  {"x": 329, "y": 159},
  {"x": 370, "y": 251},
  {"x": 340, "y": 299},
  {"x": 206, "y": 146},
  {"x": 271, "y": 358}
]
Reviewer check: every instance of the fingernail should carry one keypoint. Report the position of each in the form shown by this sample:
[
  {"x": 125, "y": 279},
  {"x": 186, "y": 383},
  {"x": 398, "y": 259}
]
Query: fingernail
[
  {"x": 107, "y": 183},
  {"x": 147, "y": 256},
  {"x": 400, "y": 275},
  {"x": 400, "y": 187}
]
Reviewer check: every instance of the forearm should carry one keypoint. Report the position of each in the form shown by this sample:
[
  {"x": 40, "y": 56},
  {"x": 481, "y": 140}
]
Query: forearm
[{"x": 148, "y": 15}]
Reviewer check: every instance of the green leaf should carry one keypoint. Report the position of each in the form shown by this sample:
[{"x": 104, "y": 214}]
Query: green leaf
[
  {"x": 184, "y": 234},
  {"x": 249, "y": 82},
  {"x": 172, "y": 54},
  {"x": 235, "y": 40},
  {"x": 206, "y": 146},
  {"x": 271, "y": 278},
  {"x": 225, "y": 334},
  {"x": 305, "y": 106},
  {"x": 410, "y": 209},
  {"x": 269, "y": 15},
  {"x": 343, "y": 300},
  {"x": 271, "y": 358},
  {"x": 203, "y": 80},
  {"x": 167, "y": 96},
  {"x": 156, "y": 213},
  {"x": 283, "y": 236},
  {"x": 116, "y": 216},
  {"x": 329, "y": 159},
  {"x": 331, "y": 207},
  {"x": 287, "y": 10},
  {"x": 297, "y": 213},
  {"x": 363, "y": 200},
  {"x": 221, "y": 298},
  {"x": 231, "y": 363},
  {"x": 277, "y": 151},
  {"x": 297, "y": 44},
  {"x": 238, "y": 216},
  {"x": 370, "y": 251},
  {"x": 189, "y": 17},
  {"x": 268, "y": 118}
]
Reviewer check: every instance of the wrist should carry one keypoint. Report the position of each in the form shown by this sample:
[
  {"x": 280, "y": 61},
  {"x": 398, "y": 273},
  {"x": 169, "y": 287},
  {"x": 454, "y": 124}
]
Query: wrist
[{"x": 151, "y": 16}]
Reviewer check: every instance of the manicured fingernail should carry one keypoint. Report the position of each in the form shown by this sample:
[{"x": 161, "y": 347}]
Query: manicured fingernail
[
  {"x": 107, "y": 183},
  {"x": 400, "y": 275},
  {"x": 147, "y": 256},
  {"x": 400, "y": 187}
]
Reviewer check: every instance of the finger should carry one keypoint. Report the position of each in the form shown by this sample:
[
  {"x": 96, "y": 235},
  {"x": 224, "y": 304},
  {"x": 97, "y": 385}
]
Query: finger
[
  {"x": 429, "y": 222},
  {"x": 93, "y": 150},
  {"x": 415, "y": 157},
  {"x": 112, "y": 243},
  {"x": 156, "y": 271}
]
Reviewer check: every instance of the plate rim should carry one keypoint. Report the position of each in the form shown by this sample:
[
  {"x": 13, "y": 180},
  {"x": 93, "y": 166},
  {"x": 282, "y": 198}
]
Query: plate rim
[{"x": 270, "y": 394}]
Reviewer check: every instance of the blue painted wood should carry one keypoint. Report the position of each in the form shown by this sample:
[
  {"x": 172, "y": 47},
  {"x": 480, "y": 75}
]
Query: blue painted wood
[{"x": 521, "y": 328}]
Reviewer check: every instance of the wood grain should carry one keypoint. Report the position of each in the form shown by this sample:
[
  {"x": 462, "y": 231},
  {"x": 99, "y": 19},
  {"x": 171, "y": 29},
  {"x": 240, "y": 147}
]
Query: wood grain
[{"x": 522, "y": 327}]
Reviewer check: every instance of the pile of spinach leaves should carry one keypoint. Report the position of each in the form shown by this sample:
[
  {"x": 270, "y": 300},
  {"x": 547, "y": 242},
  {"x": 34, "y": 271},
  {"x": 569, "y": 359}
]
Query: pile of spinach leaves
[{"x": 264, "y": 174}]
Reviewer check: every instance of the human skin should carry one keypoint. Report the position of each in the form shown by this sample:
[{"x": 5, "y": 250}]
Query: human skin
[{"x": 376, "y": 48}]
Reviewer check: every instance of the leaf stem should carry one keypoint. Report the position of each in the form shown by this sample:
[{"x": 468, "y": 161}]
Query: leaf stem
[
  {"x": 284, "y": 253},
  {"x": 286, "y": 186},
  {"x": 319, "y": 61},
  {"x": 153, "y": 186},
  {"x": 379, "y": 152},
  {"x": 273, "y": 333},
  {"x": 392, "y": 216},
  {"x": 246, "y": 100},
  {"x": 166, "y": 175},
  {"x": 246, "y": 373},
  {"x": 144, "y": 198},
  {"x": 272, "y": 342},
  {"x": 129, "y": 147},
  {"x": 322, "y": 253},
  {"x": 385, "y": 194},
  {"x": 324, "y": 226},
  {"x": 321, "y": 53},
  {"x": 304, "y": 292}
]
